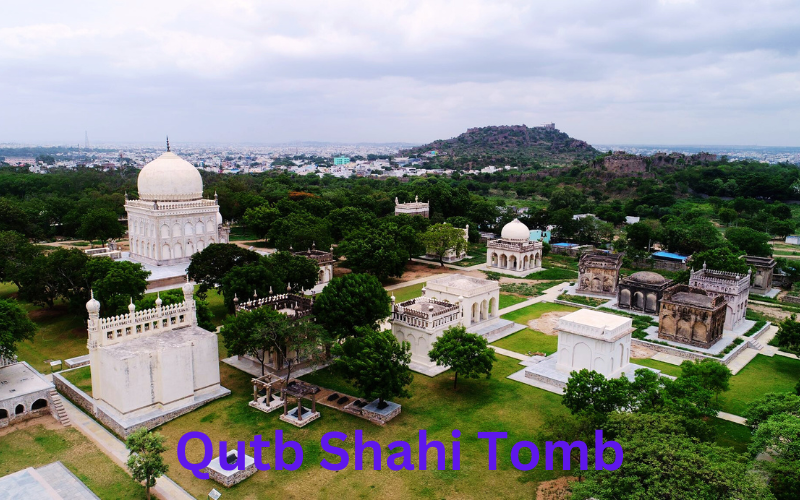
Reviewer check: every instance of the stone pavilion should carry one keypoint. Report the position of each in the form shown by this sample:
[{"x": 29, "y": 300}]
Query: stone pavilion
[
  {"x": 691, "y": 316},
  {"x": 764, "y": 269},
  {"x": 642, "y": 292},
  {"x": 598, "y": 273},
  {"x": 323, "y": 259},
  {"x": 24, "y": 393},
  {"x": 150, "y": 366},
  {"x": 420, "y": 322},
  {"x": 735, "y": 288},
  {"x": 514, "y": 253},
  {"x": 171, "y": 220},
  {"x": 413, "y": 208}
]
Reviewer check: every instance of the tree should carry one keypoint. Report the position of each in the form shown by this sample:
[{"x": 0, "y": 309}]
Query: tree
[
  {"x": 145, "y": 461},
  {"x": 260, "y": 219},
  {"x": 296, "y": 270},
  {"x": 779, "y": 437},
  {"x": 255, "y": 333},
  {"x": 760, "y": 410},
  {"x": 100, "y": 224},
  {"x": 374, "y": 252},
  {"x": 376, "y": 363},
  {"x": 214, "y": 262},
  {"x": 719, "y": 259},
  {"x": 349, "y": 302},
  {"x": 788, "y": 336},
  {"x": 347, "y": 219},
  {"x": 593, "y": 396},
  {"x": 441, "y": 238},
  {"x": 16, "y": 253},
  {"x": 710, "y": 374},
  {"x": 300, "y": 230},
  {"x": 749, "y": 241},
  {"x": 115, "y": 284},
  {"x": 465, "y": 353},
  {"x": 727, "y": 215},
  {"x": 15, "y": 327}
]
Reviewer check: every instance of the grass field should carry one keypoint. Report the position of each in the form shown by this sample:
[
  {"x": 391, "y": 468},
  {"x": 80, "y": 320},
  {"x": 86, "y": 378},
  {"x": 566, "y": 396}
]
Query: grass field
[
  {"x": 553, "y": 274},
  {"x": 80, "y": 378},
  {"x": 478, "y": 405},
  {"x": 533, "y": 311},
  {"x": 509, "y": 300},
  {"x": 733, "y": 435},
  {"x": 665, "y": 368},
  {"x": 407, "y": 292},
  {"x": 762, "y": 375},
  {"x": 35, "y": 446},
  {"x": 528, "y": 340}
]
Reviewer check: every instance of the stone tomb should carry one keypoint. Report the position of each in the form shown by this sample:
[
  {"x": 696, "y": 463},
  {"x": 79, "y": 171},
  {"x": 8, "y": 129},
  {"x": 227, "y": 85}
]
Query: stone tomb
[
  {"x": 642, "y": 292},
  {"x": 324, "y": 261},
  {"x": 733, "y": 287},
  {"x": 24, "y": 394},
  {"x": 691, "y": 316},
  {"x": 416, "y": 207},
  {"x": 228, "y": 478},
  {"x": 764, "y": 268},
  {"x": 514, "y": 253},
  {"x": 587, "y": 339},
  {"x": 598, "y": 273}
]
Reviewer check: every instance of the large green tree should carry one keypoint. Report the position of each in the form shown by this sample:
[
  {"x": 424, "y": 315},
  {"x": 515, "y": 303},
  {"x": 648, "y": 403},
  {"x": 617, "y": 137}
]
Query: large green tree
[
  {"x": 788, "y": 336},
  {"x": 374, "y": 252},
  {"x": 710, "y": 374},
  {"x": 376, "y": 363},
  {"x": 299, "y": 231},
  {"x": 465, "y": 353},
  {"x": 749, "y": 241},
  {"x": 214, "y": 262},
  {"x": 254, "y": 333},
  {"x": 100, "y": 224},
  {"x": 260, "y": 219},
  {"x": 775, "y": 420},
  {"x": 15, "y": 327},
  {"x": 349, "y": 302},
  {"x": 16, "y": 254},
  {"x": 145, "y": 460},
  {"x": 441, "y": 238},
  {"x": 115, "y": 284}
]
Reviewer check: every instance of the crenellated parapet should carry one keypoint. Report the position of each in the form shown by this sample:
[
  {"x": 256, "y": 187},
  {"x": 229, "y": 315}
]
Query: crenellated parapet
[
  {"x": 426, "y": 313},
  {"x": 295, "y": 306}
]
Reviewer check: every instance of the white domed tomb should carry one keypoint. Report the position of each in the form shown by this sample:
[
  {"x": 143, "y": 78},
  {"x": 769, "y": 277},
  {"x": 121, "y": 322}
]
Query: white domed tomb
[
  {"x": 514, "y": 253},
  {"x": 171, "y": 221}
]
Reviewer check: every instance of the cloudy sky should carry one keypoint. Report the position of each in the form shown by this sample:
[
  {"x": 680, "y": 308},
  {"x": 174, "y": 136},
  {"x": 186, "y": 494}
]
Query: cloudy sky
[{"x": 611, "y": 71}]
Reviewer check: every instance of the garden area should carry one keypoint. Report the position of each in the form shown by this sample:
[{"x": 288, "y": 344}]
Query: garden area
[{"x": 39, "y": 444}]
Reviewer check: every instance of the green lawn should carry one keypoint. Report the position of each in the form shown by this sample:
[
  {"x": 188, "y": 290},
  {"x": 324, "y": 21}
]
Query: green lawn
[
  {"x": 533, "y": 311},
  {"x": 762, "y": 375},
  {"x": 528, "y": 340},
  {"x": 497, "y": 403},
  {"x": 529, "y": 290},
  {"x": 553, "y": 274},
  {"x": 733, "y": 435},
  {"x": 509, "y": 300},
  {"x": 665, "y": 368},
  {"x": 7, "y": 290},
  {"x": 580, "y": 299},
  {"x": 61, "y": 335},
  {"x": 407, "y": 292},
  {"x": 80, "y": 378},
  {"x": 36, "y": 446}
]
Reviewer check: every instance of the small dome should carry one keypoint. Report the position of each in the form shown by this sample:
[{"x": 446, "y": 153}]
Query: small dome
[
  {"x": 188, "y": 289},
  {"x": 219, "y": 219},
  {"x": 93, "y": 306},
  {"x": 170, "y": 178},
  {"x": 648, "y": 277},
  {"x": 515, "y": 230}
]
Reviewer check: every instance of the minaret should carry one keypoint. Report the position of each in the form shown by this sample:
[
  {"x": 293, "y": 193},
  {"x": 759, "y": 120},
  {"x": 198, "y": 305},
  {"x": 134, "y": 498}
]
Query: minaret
[
  {"x": 94, "y": 343},
  {"x": 188, "y": 298}
]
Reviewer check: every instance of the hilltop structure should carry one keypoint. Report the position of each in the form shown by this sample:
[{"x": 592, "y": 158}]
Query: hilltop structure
[
  {"x": 514, "y": 253},
  {"x": 171, "y": 221},
  {"x": 150, "y": 366},
  {"x": 733, "y": 287},
  {"x": 598, "y": 273}
]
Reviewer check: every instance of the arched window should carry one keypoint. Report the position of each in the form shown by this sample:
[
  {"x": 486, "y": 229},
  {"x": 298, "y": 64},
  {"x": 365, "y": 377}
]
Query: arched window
[
  {"x": 19, "y": 410},
  {"x": 3, "y": 413},
  {"x": 39, "y": 404}
]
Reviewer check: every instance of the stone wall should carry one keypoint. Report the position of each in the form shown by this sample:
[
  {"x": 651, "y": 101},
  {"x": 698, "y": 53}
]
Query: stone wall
[
  {"x": 236, "y": 477},
  {"x": 790, "y": 299}
]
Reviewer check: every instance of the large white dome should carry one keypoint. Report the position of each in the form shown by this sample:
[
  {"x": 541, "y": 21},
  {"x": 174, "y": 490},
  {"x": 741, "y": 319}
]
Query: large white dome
[
  {"x": 170, "y": 178},
  {"x": 515, "y": 230}
]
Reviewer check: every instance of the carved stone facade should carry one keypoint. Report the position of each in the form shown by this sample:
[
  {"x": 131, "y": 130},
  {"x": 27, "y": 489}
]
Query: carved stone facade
[
  {"x": 323, "y": 259},
  {"x": 735, "y": 288},
  {"x": 514, "y": 253},
  {"x": 598, "y": 273},
  {"x": 764, "y": 268},
  {"x": 642, "y": 292},
  {"x": 691, "y": 316}
]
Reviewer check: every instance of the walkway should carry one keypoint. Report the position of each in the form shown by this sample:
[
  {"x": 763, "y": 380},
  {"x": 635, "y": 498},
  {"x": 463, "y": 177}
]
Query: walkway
[
  {"x": 510, "y": 354},
  {"x": 476, "y": 267},
  {"x": 165, "y": 488},
  {"x": 736, "y": 419},
  {"x": 549, "y": 295},
  {"x": 408, "y": 283}
]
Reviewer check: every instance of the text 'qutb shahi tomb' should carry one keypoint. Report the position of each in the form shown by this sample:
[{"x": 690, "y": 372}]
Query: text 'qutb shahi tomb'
[
  {"x": 149, "y": 366},
  {"x": 171, "y": 221}
]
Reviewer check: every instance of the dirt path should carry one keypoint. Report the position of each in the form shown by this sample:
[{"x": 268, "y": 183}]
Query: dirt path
[
  {"x": 546, "y": 323},
  {"x": 773, "y": 312}
]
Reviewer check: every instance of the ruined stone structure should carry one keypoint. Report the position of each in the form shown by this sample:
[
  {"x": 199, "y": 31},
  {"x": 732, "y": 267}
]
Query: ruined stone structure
[
  {"x": 735, "y": 288},
  {"x": 691, "y": 316},
  {"x": 764, "y": 272},
  {"x": 171, "y": 221},
  {"x": 514, "y": 253},
  {"x": 323, "y": 259},
  {"x": 412, "y": 208},
  {"x": 153, "y": 362},
  {"x": 24, "y": 393},
  {"x": 642, "y": 292},
  {"x": 598, "y": 273}
]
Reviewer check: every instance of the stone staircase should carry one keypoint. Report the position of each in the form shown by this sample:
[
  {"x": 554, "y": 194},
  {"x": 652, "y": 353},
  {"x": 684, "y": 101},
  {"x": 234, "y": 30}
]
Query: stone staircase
[
  {"x": 58, "y": 407},
  {"x": 754, "y": 344}
]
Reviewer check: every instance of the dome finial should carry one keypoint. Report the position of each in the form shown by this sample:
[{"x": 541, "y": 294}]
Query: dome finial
[{"x": 167, "y": 144}]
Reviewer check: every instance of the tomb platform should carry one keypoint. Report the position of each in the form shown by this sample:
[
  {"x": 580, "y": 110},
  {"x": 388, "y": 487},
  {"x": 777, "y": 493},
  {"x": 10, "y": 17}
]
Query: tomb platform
[
  {"x": 291, "y": 417},
  {"x": 373, "y": 412},
  {"x": 228, "y": 478},
  {"x": 545, "y": 375}
]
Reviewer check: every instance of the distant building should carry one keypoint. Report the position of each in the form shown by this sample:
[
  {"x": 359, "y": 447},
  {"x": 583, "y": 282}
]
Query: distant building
[
  {"x": 629, "y": 219},
  {"x": 412, "y": 208},
  {"x": 793, "y": 240},
  {"x": 691, "y": 316},
  {"x": 341, "y": 160},
  {"x": 764, "y": 270},
  {"x": 598, "y": 273},
  {"x": 539, "y": 235}
]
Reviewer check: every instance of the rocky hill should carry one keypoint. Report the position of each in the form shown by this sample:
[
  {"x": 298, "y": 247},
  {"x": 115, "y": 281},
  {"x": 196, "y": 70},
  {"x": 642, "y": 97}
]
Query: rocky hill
[{"x": 515, "y": 145}]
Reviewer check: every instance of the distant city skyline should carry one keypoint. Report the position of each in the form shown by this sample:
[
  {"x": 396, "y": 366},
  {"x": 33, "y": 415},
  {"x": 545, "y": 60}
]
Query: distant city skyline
[{"x": 624, "y": 72}]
